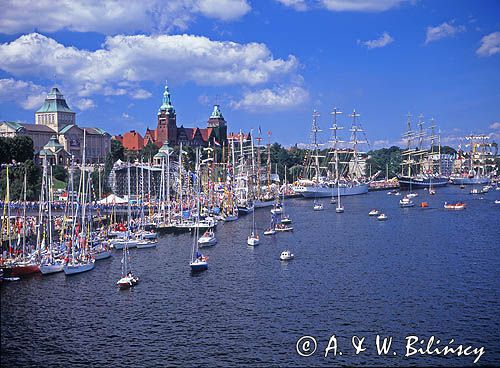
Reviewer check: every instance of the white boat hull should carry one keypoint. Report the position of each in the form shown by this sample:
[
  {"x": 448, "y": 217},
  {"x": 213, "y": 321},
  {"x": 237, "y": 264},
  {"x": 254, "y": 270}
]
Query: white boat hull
[
  {"x": 325, "y": 191},
  {"x": 207, "y": 241},
  {"x": 146, "y": 244},
  {"x": 47, "y": 269},
  {"x": 102, "y": 255},
  {"x": 253, "y": 241},
  {"x": 71, "y": 269}
]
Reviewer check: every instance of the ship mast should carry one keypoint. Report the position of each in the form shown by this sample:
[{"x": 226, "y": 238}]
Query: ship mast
[
  {"x": 335, "y": 142},
  {"x": 408, "y": 136},
  {"x": 315, "y": 145},
  {"x": 355, "y": 129}
]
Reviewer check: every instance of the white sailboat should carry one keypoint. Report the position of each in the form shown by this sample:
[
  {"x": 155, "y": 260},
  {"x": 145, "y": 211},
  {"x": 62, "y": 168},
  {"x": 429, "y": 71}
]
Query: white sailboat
[
  {"x": 80, "y": 259},
  {"x": 198, "y": 262},
  {"x": 253, "y": 238},
  {"x": 128, "y": 279},
  {"x": 49, "y": 263}
]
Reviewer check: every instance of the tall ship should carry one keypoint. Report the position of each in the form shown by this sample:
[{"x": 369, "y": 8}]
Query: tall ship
[
  {"x": 421, "y": 165},
  {"x": 339, "y": 171},
  {"x": 476, "y": 164}
]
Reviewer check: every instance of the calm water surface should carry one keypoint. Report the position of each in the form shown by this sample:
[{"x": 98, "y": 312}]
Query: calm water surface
[{"x": 423, "y": 272}]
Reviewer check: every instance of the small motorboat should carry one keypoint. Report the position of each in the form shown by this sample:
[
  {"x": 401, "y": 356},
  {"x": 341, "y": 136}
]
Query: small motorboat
[
  {"x": 454, "y": 206},
  {"x": 286, "y": 255},
  {"x": 283, "y": 228},
  {"x": 339, "y": 209},
  {"x": 318, "y": 207},
  {"x": 374, "y": 212},
  {"x": 285, "y": 219},
  {"x": 389, "y": 192},
  {"x": 406, "y": 202},
  {"x": 253, "y": 239},
  {"x": 397, "y": 194},
  {"x": 478, "y": 191},
  {"x": 277, "y": 209},
  {"x": 462, "y": 186},
  {"x": 382, "y": 217},
  {"x": 207, "y": 239},
  {"x": 146, "y": 243},
  {"x": 270, "y": 231},
  {"x": 497, "y": 201},
  {"x": 432, "y": 192},
  {"x": 333, "y": 201},
  {"x": 412, "y": 195},
  {"x": 424, "y": 204},
  {"x": 127, "y": 281}
]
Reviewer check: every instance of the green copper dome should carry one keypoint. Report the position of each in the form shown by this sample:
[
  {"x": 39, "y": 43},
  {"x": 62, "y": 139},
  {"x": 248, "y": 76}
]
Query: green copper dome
[
  {"x": 167, "y": 103},
  {"x": 55, "y": 102},
  {"x": 216, "y": 114}
]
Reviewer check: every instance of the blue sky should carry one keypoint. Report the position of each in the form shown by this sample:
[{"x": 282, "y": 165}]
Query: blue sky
[{"x": 267, "y": 63}]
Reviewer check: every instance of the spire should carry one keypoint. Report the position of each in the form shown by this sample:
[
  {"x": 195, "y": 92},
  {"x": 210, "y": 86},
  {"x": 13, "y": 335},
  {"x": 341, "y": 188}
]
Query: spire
[{"x": 167, "y": 103}]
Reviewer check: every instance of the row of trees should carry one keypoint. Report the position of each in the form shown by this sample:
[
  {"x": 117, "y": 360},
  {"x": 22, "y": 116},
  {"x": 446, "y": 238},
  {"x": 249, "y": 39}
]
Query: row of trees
[{"x": 18, "y": 152}]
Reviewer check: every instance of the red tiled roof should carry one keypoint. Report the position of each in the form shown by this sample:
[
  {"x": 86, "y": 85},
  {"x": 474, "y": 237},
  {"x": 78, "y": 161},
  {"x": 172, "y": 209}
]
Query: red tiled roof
[{"x": 205, "y": 133}]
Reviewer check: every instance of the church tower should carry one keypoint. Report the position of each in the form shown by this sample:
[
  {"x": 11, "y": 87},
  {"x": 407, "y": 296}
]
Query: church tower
[
  {"x": 166, "y": 130},
  {"x": 218, "y": 125}
]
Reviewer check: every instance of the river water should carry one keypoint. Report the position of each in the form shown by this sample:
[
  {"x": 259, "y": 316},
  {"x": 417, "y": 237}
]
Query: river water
[{"x": 424, "y": 272}]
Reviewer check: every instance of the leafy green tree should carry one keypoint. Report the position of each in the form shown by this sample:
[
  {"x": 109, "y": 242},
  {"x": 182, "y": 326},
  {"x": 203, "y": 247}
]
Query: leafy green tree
[
  {"x": 117, "y": 150},
  {"x": 16, "y": 181},
  {"x": 59, "y": 172},
  {"x": 149, "y": 151},
  {"x": 21, "y": 148},
  {"x": 385, "y": 158}
]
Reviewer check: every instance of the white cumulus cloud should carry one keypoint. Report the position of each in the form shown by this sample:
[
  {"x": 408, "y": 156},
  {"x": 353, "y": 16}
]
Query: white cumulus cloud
[
  {"x": 444, "y": 30},
  {"x": 495, "y": 126},
  {"x": 113, "y": 16},
  {"x": 26, "y": 94},
  {"x": 361, "y": 5},
  {"x": 382, "y": 41},
  {"x": 490, "y": 45},
  {"x": 299, "y": 5},
  {"x": 85, "y": 104},
  {"x": 276, "y": 99},
  {"x": 125, "y": 61}
]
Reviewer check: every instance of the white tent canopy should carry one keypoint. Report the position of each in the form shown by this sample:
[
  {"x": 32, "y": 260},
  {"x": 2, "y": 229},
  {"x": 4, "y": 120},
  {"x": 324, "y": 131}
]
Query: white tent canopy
[{"x": 112, "y": 199}]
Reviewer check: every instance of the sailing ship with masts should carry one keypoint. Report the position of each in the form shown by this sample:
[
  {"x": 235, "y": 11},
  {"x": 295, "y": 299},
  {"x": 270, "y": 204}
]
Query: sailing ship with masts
[
  {"x": 421, "y": 166},
  {"x": 341, "y": 170},
  {"x": 475, "y": 166}
]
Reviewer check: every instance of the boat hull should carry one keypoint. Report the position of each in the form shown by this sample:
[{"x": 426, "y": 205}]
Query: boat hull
[
  {"x": 477, "y": 180},
  {"x": 102, "y": 255},
  {"x": 199, "y": 266},
  {"x": 145, "y": 245},
  {"x": 323, "y": 192},
  {"x": 207, "y": 243},
  {"x": 47, "y": 269},
  {"x": 20, "y": 270},
  {"x": 78, "y": 268},
  {"x": 258, "y": 203},
  {"x": 420, "y": 183}
]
